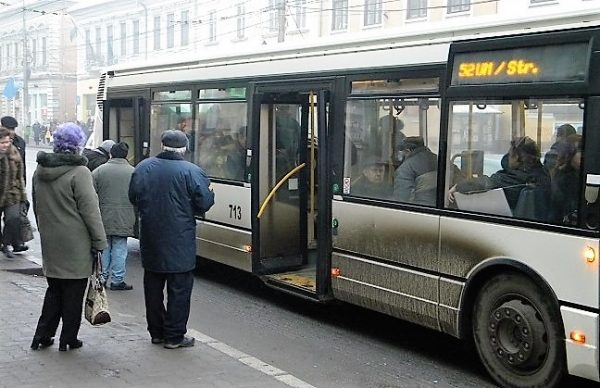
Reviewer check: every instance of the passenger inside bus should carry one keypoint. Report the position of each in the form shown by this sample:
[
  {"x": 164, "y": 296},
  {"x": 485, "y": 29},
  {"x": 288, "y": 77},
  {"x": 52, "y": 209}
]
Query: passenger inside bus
[
  {"x": 565, "y": 180},
  {"x": 235, "y": 164},
  {"x": 372, "y": 182},
  {"x": 562, "y": 133},
  {"x": 525, "y": 181},
  {"x": 416, "y": 177}
]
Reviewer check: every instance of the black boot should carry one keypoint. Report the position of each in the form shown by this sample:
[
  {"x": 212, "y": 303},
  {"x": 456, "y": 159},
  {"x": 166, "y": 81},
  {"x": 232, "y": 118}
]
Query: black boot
[
  {"x": 20, "y": 248},
  {"x": 72, "y": 345},
  {"x": 7, "y": 252},
  {"x": 40, "y": 343}
]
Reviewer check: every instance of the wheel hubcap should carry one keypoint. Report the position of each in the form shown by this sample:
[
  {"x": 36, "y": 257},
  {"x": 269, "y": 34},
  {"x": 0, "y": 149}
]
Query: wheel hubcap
[{"x": 517, "y": 336}]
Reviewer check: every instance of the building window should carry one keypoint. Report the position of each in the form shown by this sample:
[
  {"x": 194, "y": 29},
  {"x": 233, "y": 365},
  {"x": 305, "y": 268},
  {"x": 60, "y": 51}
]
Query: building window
[
  {"x": 212, "y": 26},
  {"x": 98, "y": 43},
  {"x": 339, "y": 15},
  {"x": 185, "y": 28},
  {"x": 44, "y": 57},
  {"x": 241, "y": 21},
  {"x": 123, "y": 39},
  {"x": 157, "y": 33},
  {"x": 170, "y": 30},
  {"x": 89, "y": 50},
  {"x": 33, "y": 52},
  {"x": 299, "y": 13},
  {"x": 136, "y": 37},
  {"x": 416, "y": 9},
  {"x": 275, "y": 8},
  {"x": 17, "y": 55},
  {"x": 373, "y": 12},
  {"x": 458, "y": 6},
  {"x": 109, "y": 44},
  {"x": 8, "y": 56}
]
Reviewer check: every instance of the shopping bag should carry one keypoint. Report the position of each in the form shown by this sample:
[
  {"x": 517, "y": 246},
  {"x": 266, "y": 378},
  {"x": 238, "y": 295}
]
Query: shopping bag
[{"x": 96, "y": 301}]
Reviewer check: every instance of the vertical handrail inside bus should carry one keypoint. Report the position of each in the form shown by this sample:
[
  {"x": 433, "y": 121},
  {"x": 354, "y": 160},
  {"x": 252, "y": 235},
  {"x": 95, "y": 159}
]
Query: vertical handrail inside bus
[{"x": 539, "y": 125}]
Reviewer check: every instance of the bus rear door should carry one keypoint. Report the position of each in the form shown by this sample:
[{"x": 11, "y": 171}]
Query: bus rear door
[{"x": 291, "y": 210}]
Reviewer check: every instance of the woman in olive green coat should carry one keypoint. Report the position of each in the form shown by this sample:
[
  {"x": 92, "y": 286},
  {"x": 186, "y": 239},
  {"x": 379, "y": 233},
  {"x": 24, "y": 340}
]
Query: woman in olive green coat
[{"x": 68, "y": 218}]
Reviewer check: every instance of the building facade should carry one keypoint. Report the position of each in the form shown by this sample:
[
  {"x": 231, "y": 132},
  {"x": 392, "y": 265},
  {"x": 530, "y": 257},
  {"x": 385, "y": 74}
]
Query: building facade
[
  {"x": 38, "y": 60},
  {"x": 118, "y": 31}
]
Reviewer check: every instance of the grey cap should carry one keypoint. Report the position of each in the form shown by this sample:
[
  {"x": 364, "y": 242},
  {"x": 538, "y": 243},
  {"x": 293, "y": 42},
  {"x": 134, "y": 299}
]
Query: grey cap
[{"x": 107, "y": 145}]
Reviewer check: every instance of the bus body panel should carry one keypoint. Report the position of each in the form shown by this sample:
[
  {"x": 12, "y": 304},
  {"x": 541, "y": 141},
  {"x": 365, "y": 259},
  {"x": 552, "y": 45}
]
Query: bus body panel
[
  {"x": 465, "y": 244},
  {"x": 224, "y": 235},
  {"x": 582, "y": 359}
]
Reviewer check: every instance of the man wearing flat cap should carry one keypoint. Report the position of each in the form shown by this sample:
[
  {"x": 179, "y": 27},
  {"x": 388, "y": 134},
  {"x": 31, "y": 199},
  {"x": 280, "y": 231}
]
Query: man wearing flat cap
[
  {"x": 169, "y": 193},
  {"x": 11, "y": 124},
  {"x": 372, "y": 183}
]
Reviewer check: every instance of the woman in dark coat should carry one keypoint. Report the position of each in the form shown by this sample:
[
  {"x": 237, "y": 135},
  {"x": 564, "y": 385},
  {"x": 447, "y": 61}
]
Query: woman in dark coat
[
  {"x": 68, "y": 218},
  {"x": 566, "y": 178},
  {"x": 12, "y": 194}
]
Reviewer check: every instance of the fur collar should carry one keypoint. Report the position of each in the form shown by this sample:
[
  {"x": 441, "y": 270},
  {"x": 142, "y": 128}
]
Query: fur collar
[{"x": 48, "y": 159}]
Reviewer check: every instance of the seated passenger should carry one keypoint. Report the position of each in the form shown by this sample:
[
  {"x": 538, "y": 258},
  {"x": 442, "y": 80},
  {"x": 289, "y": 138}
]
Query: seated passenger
[
  {"x": 566, "y": 181},
  {"x": 416, "y": 177},
  {"x": 372, "y": 182},
  {"x": 521, "y": 168}
]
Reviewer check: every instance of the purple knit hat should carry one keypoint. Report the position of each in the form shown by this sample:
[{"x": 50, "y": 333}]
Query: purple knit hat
[{"x": 68, "y": 139}]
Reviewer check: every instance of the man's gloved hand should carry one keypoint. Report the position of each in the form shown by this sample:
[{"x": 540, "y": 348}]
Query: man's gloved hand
[{"x": 95, "y": 252}]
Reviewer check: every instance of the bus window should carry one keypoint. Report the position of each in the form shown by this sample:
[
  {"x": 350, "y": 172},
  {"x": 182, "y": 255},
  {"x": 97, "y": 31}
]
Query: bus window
[
  {"x": 168, "y": 116},
  {"x": 391, "y": 149},
  {"x": 528, "y": 149},
  {"x": 220, "y": 139}
]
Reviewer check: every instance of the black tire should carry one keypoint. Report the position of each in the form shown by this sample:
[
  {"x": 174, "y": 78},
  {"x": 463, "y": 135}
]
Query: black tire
[{"x": 518, "y": 333}]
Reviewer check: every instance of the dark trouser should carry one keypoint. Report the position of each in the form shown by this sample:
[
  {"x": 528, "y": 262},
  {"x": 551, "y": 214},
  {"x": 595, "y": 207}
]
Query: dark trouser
[
  {"x": 64, "y": 299},
  {"x": 171, "y": 323},
  {"x": 11, "y": 233}
]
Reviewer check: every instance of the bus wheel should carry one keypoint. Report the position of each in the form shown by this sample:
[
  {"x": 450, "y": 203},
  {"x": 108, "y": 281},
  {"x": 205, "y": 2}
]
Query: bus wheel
[{"x": 518, "y": 334}]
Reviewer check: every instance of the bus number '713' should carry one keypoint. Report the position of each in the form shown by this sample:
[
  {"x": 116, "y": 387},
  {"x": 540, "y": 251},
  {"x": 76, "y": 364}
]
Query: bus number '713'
[{"x": 235, "y": 212}]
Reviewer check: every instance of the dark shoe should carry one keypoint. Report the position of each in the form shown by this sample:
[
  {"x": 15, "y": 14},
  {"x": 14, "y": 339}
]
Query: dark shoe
[
  {"x": 157, "y": 341},
  {"x": 72, "y": 345},
  {"x": 121, "y": 286},
  {"x": 186, "y": 342},
  {"x": 7, "y": 252},
  {"x": 40, "y": 343},
  {"x": 20, "y": 248}
]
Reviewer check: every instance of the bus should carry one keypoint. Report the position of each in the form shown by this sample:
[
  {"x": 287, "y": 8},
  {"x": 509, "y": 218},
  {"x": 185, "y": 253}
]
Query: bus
[{"x": 339, "y": 172}]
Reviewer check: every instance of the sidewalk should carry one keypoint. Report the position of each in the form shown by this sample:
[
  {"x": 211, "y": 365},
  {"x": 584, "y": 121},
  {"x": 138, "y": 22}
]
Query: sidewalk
[{"x": 118, "y": 354}]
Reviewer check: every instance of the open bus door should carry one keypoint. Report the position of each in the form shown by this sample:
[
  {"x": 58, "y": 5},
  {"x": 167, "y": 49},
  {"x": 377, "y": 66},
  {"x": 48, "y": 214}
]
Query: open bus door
[
  {"x": 291, "y": 207},
  {"x": 125, "y": 120}
]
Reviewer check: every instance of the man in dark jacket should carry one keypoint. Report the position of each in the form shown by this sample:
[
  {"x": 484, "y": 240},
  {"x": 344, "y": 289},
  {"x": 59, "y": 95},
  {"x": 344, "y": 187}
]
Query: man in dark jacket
[
  {"x": 98, "y": 156},
  {"x": 169, "y": 192},
  {"x": 416, "y": 177},
  {"x": 11, "y": 124}
]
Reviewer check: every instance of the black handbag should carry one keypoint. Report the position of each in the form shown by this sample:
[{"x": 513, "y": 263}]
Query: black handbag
[{"x": 26, "y": 229}]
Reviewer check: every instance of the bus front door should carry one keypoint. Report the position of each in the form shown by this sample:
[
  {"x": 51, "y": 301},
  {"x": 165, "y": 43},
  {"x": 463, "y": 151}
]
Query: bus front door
[
  {"x": 290, "y": 213},
  {"x": 125, "y": 120}
]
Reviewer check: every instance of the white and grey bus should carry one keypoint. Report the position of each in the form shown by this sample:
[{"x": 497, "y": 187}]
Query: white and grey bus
[{"x": 337, "y": 171}]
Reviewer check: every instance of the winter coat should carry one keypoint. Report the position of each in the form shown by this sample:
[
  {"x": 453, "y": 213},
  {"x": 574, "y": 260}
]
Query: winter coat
[
  {"x": 12, "y": 185},
  {"x": 416, "y": 178},
  {"x": 19, "y": 143},
  {"x": 111, "y": 181},
  {"x": 67, "y": 213},
  {"x": 95, "y": 157},
  {"x": 169, "y": 192},
  {"x": 511, "y": 180}
]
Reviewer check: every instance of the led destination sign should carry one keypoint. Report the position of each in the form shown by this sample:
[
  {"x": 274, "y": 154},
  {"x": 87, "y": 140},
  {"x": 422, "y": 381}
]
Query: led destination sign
[{"x": 556, "y": 63}]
